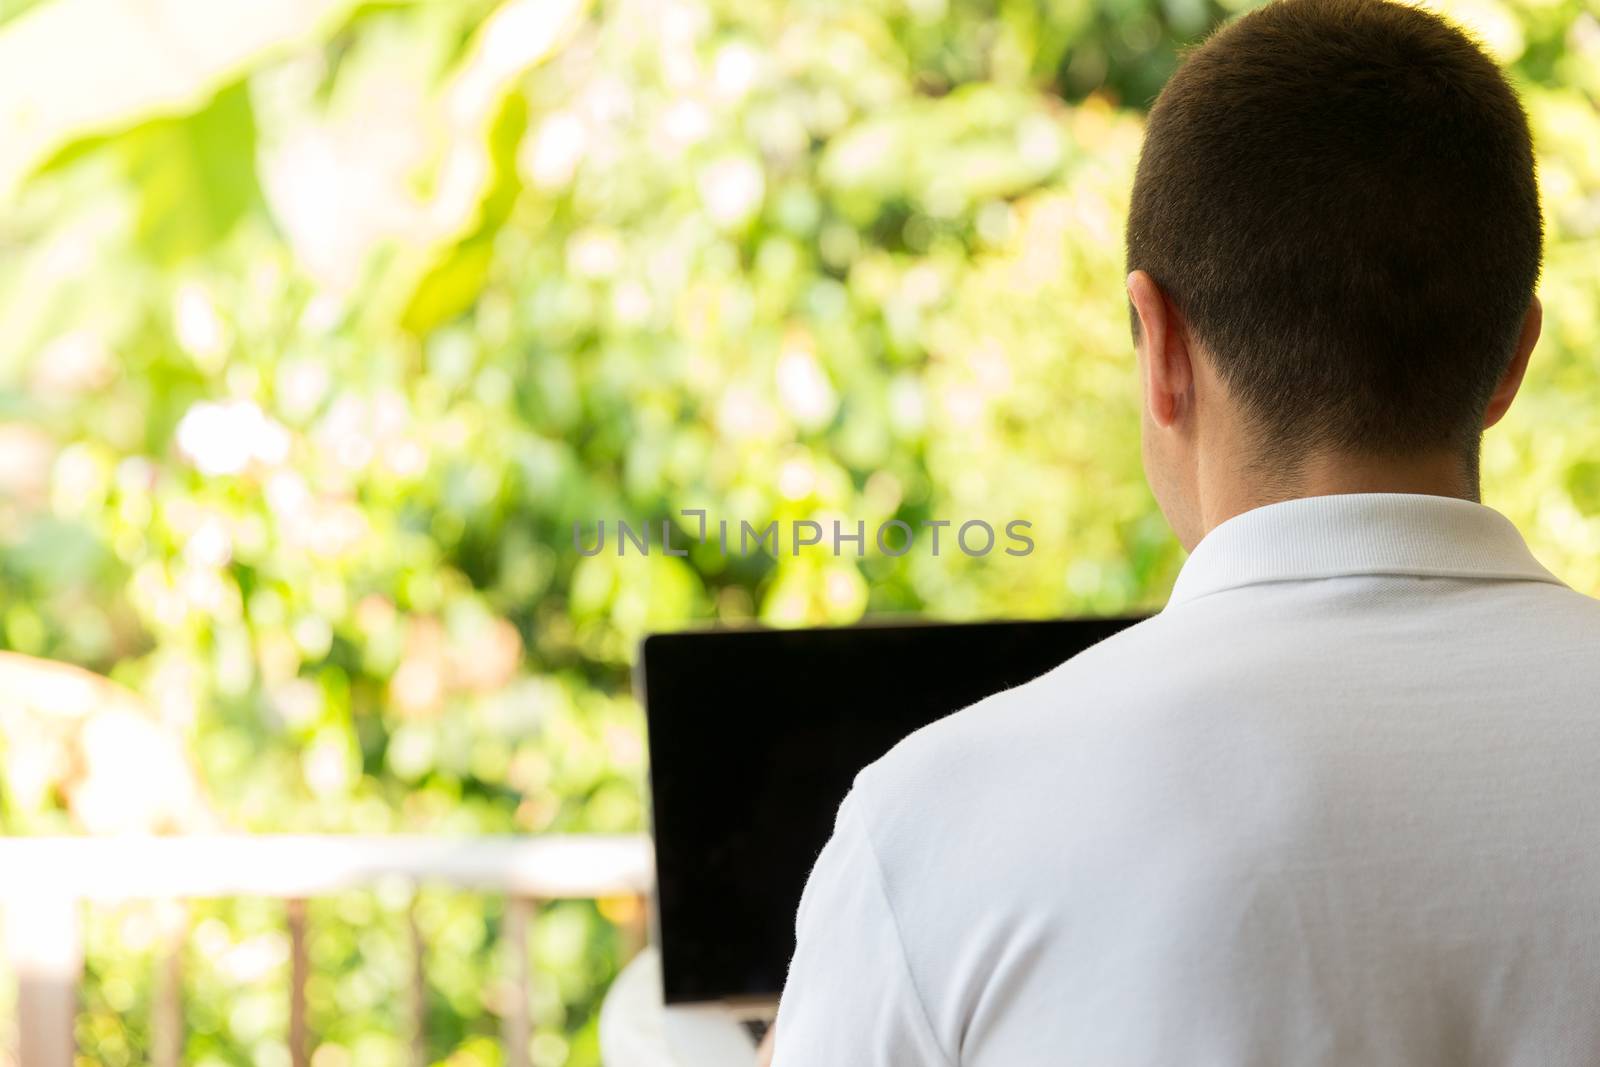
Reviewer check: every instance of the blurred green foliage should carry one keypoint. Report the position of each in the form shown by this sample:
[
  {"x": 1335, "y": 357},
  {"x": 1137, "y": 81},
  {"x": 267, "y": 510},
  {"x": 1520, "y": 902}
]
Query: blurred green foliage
[{"x": 308, "y": 372}]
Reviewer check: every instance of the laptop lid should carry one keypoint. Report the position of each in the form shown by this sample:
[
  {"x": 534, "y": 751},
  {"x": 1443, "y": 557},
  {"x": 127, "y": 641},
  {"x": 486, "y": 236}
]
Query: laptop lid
[{"x": 755, "y": 738}]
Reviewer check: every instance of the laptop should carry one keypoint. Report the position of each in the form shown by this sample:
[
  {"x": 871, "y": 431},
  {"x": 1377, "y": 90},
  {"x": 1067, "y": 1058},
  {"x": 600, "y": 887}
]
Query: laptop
[{"x": 755, "y": 737}]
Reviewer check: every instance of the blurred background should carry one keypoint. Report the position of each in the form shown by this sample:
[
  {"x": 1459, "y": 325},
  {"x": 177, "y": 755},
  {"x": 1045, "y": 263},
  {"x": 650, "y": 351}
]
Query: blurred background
[{"x": 322, "y": 323}]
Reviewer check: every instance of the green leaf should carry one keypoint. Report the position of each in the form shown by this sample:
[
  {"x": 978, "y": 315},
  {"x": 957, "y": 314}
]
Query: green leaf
[{"x": 195, "y": 176}]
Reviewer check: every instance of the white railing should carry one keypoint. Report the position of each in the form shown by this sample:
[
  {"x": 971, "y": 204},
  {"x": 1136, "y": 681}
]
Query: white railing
[{"x": 46, "y": 882}]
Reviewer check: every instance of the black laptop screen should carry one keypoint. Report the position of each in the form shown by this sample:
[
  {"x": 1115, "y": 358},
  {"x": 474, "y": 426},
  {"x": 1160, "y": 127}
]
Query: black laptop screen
[{"x": 755, "y": 738}]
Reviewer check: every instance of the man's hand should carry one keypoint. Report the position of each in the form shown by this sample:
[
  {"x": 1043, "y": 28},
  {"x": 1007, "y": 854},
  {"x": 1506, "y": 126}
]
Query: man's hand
[{"x": 764, "y": 1053}]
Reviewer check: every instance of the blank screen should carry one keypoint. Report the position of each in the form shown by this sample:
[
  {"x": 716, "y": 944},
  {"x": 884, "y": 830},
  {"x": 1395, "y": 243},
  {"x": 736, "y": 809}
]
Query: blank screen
[{"x": 756, "y": 737}]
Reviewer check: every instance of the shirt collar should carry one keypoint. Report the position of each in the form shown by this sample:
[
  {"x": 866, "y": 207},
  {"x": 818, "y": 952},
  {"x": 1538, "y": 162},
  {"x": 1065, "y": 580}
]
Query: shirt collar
[{"x": 1357, "y": 533}]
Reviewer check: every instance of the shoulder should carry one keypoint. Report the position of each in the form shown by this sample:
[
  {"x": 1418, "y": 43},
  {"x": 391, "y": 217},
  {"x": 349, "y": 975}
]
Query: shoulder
[
  {"x": 1076, "y": 687},
  {"x": 1025, "y": 741},
  {"x": 1121, "y": 737},
  {"x": 979, "y": 825}
]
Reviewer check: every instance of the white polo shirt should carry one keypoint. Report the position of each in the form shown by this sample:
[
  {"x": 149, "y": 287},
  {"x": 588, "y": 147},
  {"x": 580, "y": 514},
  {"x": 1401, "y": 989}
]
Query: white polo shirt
[{"x": 1339, "y": 803}]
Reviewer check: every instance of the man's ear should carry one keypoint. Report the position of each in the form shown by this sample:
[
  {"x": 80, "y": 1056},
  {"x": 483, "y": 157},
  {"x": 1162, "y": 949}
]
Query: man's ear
[
  {"x": 1511, "y": 380},
  {"x": 1167, "y": 375}
]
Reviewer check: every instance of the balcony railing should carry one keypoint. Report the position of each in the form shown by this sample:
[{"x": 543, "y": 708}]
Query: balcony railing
[{"x": 45, "y": 883}]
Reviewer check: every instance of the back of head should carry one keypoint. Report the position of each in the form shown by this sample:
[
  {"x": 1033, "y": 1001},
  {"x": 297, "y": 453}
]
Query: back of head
[{"x": 1339, "y": 198}]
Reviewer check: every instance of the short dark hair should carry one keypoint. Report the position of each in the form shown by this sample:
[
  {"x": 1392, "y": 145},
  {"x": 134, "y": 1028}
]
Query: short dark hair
[{"x": 1339, "y": 195}]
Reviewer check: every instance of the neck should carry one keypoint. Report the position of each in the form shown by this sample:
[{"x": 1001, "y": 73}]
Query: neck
[{"x": 1229, "y": 489}]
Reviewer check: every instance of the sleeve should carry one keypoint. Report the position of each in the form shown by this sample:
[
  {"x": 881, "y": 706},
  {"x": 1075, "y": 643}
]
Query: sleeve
[{"x": 850, "y": 997}]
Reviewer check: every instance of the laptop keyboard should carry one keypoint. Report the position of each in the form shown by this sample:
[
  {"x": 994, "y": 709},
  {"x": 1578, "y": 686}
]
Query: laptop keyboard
[{"x": 756, "y": 1028}]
